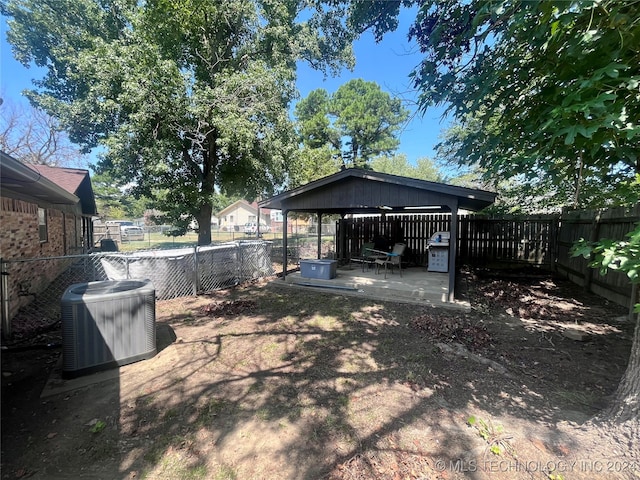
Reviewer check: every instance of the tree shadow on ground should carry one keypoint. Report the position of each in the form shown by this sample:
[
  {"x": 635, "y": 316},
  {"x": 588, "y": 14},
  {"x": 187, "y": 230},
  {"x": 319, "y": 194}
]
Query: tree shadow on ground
[{"x": 269, "y": 382}]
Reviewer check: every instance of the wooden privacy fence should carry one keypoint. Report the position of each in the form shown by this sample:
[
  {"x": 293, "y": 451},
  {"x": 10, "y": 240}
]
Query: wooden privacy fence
[
  {"x": 481, "y": 240},
  {"x": 413, "y": 230},
  {"x": 593, "y": 225},
  {"x": 543, "y": 241},
  {"x": 507, "y": 240}
]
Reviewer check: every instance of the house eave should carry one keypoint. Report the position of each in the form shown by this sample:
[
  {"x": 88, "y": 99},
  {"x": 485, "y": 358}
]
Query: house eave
[{"x": 26, "y": 183}]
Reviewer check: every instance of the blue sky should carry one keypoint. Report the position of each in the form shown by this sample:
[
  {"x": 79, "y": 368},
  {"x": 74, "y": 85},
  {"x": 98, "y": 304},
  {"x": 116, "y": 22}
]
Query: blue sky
[{"x": 387, "y": 63}]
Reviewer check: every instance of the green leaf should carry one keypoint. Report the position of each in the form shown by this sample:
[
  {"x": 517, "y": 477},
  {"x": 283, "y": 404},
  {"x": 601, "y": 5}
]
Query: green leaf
[
  {"x": 544, "y": 100},
  {"x": 98, "y": 426},
  {"x": 496, "y": 450},
  {"x": 581, "y": 248},
  {"x": 569, "y": 134}
]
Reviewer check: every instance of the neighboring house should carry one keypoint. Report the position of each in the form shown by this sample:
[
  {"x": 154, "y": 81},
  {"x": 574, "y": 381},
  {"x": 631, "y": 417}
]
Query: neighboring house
[
  {"x": 297, "y": 225},
  {"x": 237, "y": 214},
  {"x": 44, "y": 212}
]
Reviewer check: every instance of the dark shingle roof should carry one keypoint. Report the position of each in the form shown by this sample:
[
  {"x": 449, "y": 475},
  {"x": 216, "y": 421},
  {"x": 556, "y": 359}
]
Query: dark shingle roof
[
  {"x": 67, "y": 178},
  {"x": 73, "y": 180}
]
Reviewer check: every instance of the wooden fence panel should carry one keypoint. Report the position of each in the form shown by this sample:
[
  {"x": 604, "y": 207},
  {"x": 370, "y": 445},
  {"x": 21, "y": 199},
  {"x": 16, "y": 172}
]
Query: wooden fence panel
[
  {"x": 614, "y": 224},
  {"x": 481, "y": 240},
  {"x": 414, "y": 230},
  {"x": 543, "y": 241},
  {"x": 506, "y": 240}
]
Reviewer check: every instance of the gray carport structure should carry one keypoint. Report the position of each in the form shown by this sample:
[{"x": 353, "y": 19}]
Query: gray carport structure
[{"x": 359, "y": 191}]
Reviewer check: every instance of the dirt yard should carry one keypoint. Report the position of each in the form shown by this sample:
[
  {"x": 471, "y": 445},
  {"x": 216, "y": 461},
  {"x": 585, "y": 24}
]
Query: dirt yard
[{"x": 274, "y": 382}]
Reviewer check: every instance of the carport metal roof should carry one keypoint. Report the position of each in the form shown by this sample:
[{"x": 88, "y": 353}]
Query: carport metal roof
[{"x": 356, "y": 190}]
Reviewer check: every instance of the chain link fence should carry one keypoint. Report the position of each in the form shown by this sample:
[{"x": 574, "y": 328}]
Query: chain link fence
[{"x": 32, "y": 287}]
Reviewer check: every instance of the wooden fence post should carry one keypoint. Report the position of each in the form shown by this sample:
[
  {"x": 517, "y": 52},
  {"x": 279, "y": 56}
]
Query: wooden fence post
[{"x": 595, "y": 232}]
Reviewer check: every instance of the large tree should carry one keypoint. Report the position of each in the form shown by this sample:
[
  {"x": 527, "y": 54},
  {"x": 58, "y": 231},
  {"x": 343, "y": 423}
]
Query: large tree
[
  {"x": 358, "y": 122},
  {"x": 424, "y": 168},
  {"x": 546, "y": 90},
  {"x": 552, "y": 89},
  {"x": 188, "y": 98},
  {"x": 624, "y": 256}
]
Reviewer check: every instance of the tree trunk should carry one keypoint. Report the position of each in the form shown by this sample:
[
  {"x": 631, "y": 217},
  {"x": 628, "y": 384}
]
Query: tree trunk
[
  {"x": 626, "y": 403},
  {"x": 204, "y": 224},
  {"x": 210, "y": 162}
]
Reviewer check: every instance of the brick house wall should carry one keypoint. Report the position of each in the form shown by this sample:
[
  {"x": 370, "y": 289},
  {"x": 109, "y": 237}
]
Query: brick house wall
[{"x": 19, "y": 239}]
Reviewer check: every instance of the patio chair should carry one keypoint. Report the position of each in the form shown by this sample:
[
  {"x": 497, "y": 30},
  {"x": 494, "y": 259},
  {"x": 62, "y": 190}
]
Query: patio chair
[
  {"x": 365, "y": 257},
  {"x": 392, "y": 259}
]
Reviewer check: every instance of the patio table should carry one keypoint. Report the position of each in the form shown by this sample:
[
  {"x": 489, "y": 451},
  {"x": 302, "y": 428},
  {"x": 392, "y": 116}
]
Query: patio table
[
  {"x": 383, "y": 258},
  {"x": 366, "y": 258}
]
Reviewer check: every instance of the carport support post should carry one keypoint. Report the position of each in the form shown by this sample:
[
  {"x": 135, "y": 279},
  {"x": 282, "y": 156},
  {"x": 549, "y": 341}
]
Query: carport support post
[
  {"x": 319, "y": 217},
  {"x": 453, "y": 251},
  {"x": 285, "y": 229},
  {"x": 341, "y": 245}
]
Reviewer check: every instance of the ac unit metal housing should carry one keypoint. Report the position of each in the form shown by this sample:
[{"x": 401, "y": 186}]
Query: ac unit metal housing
[{"x": 107, "y": 324}]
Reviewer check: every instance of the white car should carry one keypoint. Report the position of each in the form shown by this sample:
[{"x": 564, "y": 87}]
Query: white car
[
  {"x": 251, "y": 228},
  {"x": 131, "y": 233}
]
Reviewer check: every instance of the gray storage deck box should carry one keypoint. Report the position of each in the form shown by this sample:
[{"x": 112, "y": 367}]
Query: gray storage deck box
[{"x": 322, "y": 269}]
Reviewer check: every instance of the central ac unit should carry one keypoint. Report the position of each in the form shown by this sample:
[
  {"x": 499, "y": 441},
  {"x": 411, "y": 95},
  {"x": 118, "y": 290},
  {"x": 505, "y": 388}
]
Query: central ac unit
[{"x": 107, "y": 324}]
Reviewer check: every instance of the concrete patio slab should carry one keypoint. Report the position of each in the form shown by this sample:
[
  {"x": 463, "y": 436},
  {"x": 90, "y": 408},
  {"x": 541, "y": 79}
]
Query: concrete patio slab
[{"x": 416, "y": 285}]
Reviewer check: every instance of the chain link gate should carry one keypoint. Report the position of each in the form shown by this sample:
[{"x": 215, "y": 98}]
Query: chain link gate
[{"x": 32, "y": 287}]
